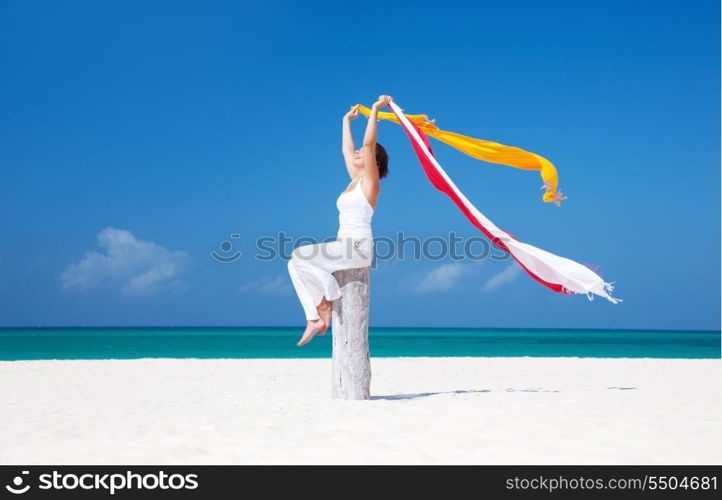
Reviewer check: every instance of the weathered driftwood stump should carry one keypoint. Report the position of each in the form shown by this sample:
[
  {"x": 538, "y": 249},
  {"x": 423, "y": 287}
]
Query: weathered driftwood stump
[{"x": 351, "y": 363}]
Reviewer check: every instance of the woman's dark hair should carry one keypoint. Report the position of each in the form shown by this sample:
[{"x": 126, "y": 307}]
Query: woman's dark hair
[{"x": 382, "y": 161}]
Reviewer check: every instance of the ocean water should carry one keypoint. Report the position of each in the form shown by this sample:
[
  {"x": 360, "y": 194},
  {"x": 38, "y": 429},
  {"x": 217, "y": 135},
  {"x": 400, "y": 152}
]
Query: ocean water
[{"x": 257, "y": 342}]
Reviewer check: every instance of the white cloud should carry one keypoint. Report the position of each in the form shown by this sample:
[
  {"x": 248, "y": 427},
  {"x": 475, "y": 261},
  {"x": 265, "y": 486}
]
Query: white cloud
[
  {"x": 502, "y": 278},
  {"x": 443, "y": 278},
  {"x": 279, "y": 285},
  {"x": 140, "y": 267}
]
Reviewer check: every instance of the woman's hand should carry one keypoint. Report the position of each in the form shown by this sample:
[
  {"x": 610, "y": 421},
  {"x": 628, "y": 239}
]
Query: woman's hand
[
  {"x": 382, "y": 101},
  {"x": 352, "y": 114}
]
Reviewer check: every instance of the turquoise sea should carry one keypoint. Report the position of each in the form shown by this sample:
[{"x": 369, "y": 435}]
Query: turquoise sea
[{"x": 262, "y": 342}]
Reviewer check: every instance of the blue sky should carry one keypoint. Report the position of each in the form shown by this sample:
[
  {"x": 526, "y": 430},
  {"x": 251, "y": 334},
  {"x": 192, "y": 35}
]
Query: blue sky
[{"x": 135, "y": 137}]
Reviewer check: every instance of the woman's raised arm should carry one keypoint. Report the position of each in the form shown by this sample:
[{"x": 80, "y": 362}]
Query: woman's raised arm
[
  {"x": 347, "y": 145},
  {"x": 371, "y": 170}
]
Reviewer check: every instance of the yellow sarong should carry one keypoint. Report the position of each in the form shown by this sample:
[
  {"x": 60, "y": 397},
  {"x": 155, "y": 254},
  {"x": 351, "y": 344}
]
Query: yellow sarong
[{"x": 492, "y": 152}]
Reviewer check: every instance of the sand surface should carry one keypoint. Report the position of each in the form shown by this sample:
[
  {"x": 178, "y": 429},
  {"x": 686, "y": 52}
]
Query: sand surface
[{"x": 423, "y": 411}]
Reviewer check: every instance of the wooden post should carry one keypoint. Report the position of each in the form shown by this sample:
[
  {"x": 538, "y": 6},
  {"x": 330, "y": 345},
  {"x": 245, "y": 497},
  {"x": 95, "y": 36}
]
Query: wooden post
[{"x": 351, "y": 363}]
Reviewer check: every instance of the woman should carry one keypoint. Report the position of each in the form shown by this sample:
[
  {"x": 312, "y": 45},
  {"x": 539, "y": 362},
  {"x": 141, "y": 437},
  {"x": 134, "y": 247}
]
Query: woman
[{"x": 311, "y": 266}]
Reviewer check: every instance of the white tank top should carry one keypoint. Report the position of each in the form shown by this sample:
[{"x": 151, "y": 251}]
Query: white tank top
[{"x": 354, "y": 213}]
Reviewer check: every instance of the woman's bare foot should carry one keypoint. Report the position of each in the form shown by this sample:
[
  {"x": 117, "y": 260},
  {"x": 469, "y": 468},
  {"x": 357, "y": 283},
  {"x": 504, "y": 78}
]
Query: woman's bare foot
[
  {"x": 324, "y": 310},
  {"x": 313, "y": 327}
]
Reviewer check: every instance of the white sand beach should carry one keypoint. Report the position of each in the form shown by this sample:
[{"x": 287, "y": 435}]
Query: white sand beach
[{"x": 423, "y": 411}]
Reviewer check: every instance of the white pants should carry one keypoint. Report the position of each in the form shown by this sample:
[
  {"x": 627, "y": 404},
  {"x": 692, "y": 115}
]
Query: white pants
[{"x": 310, "y": 267}]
